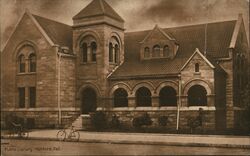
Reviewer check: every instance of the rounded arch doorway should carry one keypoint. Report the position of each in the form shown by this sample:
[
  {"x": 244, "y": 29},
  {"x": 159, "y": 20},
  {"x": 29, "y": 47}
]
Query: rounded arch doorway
[{"x": 88, "y": 101}]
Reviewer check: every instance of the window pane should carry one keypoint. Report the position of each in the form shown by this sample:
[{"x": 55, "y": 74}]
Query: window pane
[
  {"x": 143, "y": 97},
  {"x": 21, "y": 62},
  {"x": 32, "y": 61},
  {"x": 156, "y": 51},
  {"x": 146, "y": 53},
  {"x": 84, "y": 52},
  {"x": 168, "y": 97},
  {"x": 93, "y": 51},
  {"x": 32, "y": 97},
  {"x": 21, "y": 92},
  {"x": 166, "y": 51},
  {"x": 197, "y": 67},
  {"x": 110, "y": 52},
  {"x": 120, "y": 98},
  {"x": 197, "y": 96},
  {"x": 116, "y": 53}
]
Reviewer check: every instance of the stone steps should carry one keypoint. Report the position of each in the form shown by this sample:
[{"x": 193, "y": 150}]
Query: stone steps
[{"x": 83, "y": 122}]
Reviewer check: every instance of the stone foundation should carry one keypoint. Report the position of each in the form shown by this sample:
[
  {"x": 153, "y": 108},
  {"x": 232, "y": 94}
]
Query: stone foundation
[
  {"x": 126, "y": 118},
  {"x": 42, "y": 119}
]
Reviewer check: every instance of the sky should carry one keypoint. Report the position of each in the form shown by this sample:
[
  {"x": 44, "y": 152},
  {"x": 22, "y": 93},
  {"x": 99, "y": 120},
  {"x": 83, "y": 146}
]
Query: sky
[{"x": 138, "y": 14}]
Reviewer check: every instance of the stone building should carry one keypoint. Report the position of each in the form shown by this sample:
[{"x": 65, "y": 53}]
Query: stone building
[{"x": 54, "y": 74}]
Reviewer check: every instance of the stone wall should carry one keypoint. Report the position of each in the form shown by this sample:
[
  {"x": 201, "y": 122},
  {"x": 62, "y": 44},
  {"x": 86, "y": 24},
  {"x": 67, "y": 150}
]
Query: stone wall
[
  {"x": 43, "y": 119},
  {"x": 126, "y": 118}
]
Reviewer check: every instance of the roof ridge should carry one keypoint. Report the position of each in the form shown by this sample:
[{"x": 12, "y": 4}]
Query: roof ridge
[
  {"x": 182, "y": 26},
  {"x": 50, "y": 20}
]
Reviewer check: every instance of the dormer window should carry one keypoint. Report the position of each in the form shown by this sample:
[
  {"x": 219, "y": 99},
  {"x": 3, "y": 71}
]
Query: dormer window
[
  {"x": 197, "y": 68},
  {"x": 166, "y": 51},
  {"x": 146, "y": 52},
  {"x": 156, "y": 51}
]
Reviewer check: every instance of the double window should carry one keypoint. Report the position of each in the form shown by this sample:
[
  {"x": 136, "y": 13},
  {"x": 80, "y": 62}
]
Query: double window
[
  {"x": 31, "y": 63},
  {"x": 114, "y": 50},
  {"x": 31, "y": 95},
  {"x": 88, "y": 51}
]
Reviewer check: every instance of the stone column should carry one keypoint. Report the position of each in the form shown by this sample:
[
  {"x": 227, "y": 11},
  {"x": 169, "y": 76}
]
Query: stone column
[
  {"x": 26, "y": 97},
  {"x": 210, "y": 100},
  {"x": 155, "y": 101},
  {"x": 131, "y": 101},
  {"x": 184, "y": 101}
]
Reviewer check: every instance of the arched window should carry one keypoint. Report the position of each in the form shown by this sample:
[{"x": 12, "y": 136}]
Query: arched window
[
  {"x": 84, "y": 52},
  {"x": 197, "y": 67},
  {"x": 116, "y": 53},
  {"x": 110, "y": 52},
  {"x": 93, "y": 51},
  {"x": 120, "y": 98},
  {"x": 21, "y": 63},
  {"x": 166, "y": 51},
  {"x": 146, "y": 52},
  {"x": 168, "y": 97},
  {"x": 197, "y": 96},
  {"x": 143, "y": 97},
  {"x": 32, "y": 63},
  {"x": 156, "y": 51}
]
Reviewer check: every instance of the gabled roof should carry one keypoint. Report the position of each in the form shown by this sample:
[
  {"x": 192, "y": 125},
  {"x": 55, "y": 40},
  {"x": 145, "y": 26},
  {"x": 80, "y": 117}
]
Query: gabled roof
[
  {"x": 59, "y": 33},
  {"x": 189, "y": 38},
  {"x": 157, "y": 28},
  {"x": 54, "y": 32},
  {"x": 98, "y": 8},
  {"x": 197, "y": 51}
]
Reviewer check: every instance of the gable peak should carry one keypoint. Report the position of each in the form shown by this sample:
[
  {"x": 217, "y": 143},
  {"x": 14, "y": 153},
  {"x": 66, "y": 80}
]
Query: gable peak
[{"x": 98, "y": 8}]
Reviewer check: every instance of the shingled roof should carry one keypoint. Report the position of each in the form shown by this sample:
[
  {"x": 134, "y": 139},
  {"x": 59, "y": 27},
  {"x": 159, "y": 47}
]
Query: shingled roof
[
  {"x": 189, "y": 38},
  {"x": 97, "y": 8},
  {"x": 59, "y": 33}
]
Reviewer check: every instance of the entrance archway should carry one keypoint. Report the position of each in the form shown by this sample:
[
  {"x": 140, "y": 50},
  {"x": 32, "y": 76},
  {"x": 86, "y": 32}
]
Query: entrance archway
[{"x": 88, "y": 101}]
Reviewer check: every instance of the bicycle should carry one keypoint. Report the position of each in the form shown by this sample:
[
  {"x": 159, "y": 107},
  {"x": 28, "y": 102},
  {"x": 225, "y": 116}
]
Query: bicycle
[{"x": 74, "y": 135}]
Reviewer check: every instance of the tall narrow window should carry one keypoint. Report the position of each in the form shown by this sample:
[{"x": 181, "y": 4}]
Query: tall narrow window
[
  {"x": 166, "y": 51},
  {"x": 32, "y": 97},
  {"x": 110, "y": 52},
  {"x": 93, "y": 51},
  {"x": 156, "y": 51},
  {"x": 21, "y": 63},
  {"x": 84, "y": 52},
  {"x": 32, "y": 63},
  {"x": 197, "y": 67},
  {"x": 116, "y": 53},
  {"x": 147, "y": 52},
  {"x": 21, "y": 97}
]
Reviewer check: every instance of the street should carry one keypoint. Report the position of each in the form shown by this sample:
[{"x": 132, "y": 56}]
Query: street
[{"x": 38, "y": 147}]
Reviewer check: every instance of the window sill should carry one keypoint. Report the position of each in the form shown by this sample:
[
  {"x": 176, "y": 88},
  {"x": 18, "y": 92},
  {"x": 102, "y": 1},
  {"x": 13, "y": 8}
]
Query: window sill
[
  {"x": 30, "y": 73},
  {"x": 87, "y": 63},
  {"x": 197, "y": 73}
]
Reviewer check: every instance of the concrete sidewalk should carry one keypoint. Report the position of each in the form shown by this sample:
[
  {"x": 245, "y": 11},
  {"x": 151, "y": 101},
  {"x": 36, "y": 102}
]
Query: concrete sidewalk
[{"x": 149, "y": 138}]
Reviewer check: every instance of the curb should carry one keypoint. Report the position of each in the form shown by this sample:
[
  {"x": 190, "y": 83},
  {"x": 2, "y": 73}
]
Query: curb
[{"x": 140, "y": 142}]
